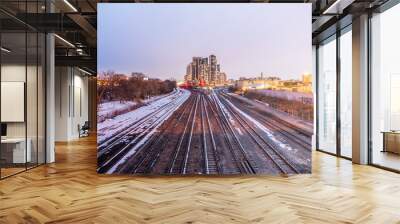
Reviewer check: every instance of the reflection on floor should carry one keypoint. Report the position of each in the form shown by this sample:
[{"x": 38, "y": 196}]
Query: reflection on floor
[
  {"x": 10, "y": 171},
  {"x": 70, "y": 191},
  {"x": 387, "y": 159}
]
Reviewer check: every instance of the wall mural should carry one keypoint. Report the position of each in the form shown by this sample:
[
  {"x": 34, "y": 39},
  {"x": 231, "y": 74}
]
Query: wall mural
[{"x": 209, "y": 89}]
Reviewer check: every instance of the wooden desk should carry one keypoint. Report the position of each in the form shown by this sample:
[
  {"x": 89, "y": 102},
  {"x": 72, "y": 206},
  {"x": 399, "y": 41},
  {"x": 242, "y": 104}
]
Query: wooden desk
[
  {"x": 391, "y": 141},
  {"x": 13, "y": 150}
]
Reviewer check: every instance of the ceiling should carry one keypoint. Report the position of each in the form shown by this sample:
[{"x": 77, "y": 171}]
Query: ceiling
[{"x": 75, "y": 21}]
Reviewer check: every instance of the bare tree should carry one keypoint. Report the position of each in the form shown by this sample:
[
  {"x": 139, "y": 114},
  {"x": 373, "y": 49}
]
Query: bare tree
[{"x": 112, "y": 86}]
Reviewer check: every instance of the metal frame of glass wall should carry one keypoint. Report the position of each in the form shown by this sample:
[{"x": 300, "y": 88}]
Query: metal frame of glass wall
[
  {"x": 30, "y": 43},
  {"x": 387, "y": 5},
  {"x": 337, "y": 38},
  {"x": 381, "y": 9}
]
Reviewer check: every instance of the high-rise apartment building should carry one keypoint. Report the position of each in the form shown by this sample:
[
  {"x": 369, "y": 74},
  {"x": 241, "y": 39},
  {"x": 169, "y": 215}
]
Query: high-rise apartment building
[
  {"x": 213, "y": 69},
  {"x": 188, "y": 76},
  {"x": 205, "y": 71},
  {"x": 196, "y": 61}
]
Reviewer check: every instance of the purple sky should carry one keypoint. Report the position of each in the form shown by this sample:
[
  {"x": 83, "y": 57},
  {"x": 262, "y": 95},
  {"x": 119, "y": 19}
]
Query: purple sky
[{"x": 161, "y": 39}]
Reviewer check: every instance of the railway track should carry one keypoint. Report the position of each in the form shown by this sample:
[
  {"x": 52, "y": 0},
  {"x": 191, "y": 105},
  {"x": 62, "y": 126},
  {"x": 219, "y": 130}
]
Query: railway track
[
  {"x": 225, "y": 145},
  {"x": 193, "y": 143},
  {"x": 148, "y": 155},
  {"x": 211, "y": 160},
  {"x": 107, "y": 144},
  {"x": 121, "y": 144},
  {"x": 179, "y": 162},
  {"x": 242, "y": 159},
  {"x": 269, "y": 149},
  {"x": 284, "y": 128},
  {"x": 195, "y": 136}
]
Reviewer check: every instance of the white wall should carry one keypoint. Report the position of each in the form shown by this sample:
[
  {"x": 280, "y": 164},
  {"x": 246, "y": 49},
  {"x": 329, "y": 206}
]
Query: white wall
[
  {"x": 61, "y": 103},
  {"x": 71, "y": 102},
  {"x": 80, "y": 110}
]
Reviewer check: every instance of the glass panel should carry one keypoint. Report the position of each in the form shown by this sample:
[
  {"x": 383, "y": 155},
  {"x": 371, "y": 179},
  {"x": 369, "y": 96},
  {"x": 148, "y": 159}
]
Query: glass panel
[
  {"x": 23, "y": 89},
  {"x": 41, "y": 98},
  {"x": 31, "y": 98},
  {"x": 346, "y": 94},
  {"x": 32, "y": 89},
  {"x": 13, "y": 87},
  {"x": 386, "y": 89},
  {"x": 327, "y": 96}
]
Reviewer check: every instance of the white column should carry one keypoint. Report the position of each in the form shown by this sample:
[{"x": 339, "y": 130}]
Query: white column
[
  {"x": 360, "y": 90},
  {"x": 50, "y": 98}
]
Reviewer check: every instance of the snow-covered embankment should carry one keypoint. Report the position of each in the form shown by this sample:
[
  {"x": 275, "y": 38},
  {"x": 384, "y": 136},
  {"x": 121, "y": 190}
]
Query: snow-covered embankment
[{"x": 111, "y": 127}]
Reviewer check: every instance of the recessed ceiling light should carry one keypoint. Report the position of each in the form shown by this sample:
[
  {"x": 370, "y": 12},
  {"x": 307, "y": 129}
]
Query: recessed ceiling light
[
  {"x": 5, "y": 50},
  {"x": 70, "y": 5},
  {"x": 84, "y": 71},
  {"x": 64, "y": 40},
  {"x": 337, "y": 7}
]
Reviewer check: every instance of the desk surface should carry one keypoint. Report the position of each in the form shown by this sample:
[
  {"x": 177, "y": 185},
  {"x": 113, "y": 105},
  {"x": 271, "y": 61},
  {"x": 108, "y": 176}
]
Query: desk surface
[
  {"x": 390, "y": 132},
  {"x": 13, "y": 140}
]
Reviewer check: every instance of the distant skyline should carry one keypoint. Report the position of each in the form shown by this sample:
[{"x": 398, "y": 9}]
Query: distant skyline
[{"x": 161, "y": 39}]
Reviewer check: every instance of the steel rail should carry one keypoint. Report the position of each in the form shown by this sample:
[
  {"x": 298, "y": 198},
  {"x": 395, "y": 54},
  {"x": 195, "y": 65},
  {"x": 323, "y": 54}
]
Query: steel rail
[{"x": 245, "y": 124}]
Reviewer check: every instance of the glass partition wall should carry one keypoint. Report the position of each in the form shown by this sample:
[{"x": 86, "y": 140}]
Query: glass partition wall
[
  {"x": 385, "y": 89},
  {"x": 22, "y": 107},
  {"x": 334, "y": 93},
  {"x": 327, "y": 95},
  {"x": 345, "y": 62}
]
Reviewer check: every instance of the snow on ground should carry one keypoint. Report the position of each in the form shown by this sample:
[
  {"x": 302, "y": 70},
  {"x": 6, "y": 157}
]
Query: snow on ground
[
  {"x": 111, "y": 127},
  {"x": 308, "y": 126},
  {"x": 144, "y": 136},
  {"x": 227, "y": 114},
  {"x": 109, "y": 108},
  {"x": 261, "y": 127}
]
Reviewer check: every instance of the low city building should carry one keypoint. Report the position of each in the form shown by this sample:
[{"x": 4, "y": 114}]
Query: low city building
[{"x": 275, "y": 83}]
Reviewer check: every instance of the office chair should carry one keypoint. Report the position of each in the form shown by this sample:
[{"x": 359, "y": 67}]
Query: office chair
[{"x": 84, "y": 130}]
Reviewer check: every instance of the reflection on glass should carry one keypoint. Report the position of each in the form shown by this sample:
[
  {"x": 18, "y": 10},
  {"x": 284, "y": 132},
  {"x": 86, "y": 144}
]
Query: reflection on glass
[
  {"x": 327, "y": 96},
  {"x": 346, "y": 94},
  {"x": 31, "y": 99},
  {"x": 386, "y": 88},
  {"x": 22, "y": 91},
  {"x": 394, "y": 102},
  {"x": 13, "y": 85},
  {"x": 41, "y": 98}
]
